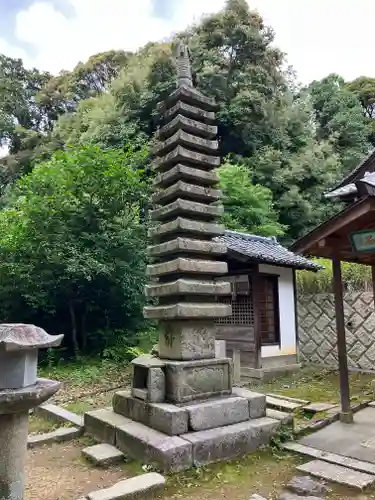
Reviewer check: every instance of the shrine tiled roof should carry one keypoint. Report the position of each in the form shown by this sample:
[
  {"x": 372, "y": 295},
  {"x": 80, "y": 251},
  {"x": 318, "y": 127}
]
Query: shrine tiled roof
[{"x": 265, "y": 250}]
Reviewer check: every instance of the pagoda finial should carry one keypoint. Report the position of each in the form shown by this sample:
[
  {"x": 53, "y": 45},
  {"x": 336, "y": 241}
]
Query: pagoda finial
[{"x": 184, "y": 75}]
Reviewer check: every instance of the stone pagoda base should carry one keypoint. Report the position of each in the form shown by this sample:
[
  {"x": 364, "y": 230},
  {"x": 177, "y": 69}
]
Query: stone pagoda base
[{"x": 174, "y": 437}]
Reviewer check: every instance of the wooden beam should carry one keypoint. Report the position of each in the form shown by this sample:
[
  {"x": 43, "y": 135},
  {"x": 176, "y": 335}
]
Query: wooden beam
[
  {"x": 255, "y": 280},
  {"x": 346, "y": 415}
]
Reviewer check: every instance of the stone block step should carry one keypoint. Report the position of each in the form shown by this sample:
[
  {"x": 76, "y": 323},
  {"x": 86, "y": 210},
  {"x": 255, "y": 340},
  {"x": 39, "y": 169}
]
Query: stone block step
[
  {"x": 101, "y": 424},
  {"x": 58, "y": 414},
  {"x": 217, "y": 413},
  {"x": 288, "y": 398},
  {"x": 135, "y": 487},
  {"x": 57, "y": 436},
  {"x": 318, "y": 407},
  {"x": 283, "y": 417},
  {"x": 282, "y": 404},
  {"x": 338, "y": 474},
  {"x": 230, "y": 441},
  {"x": 103, "y": 454},
  {"x": 257, "y": 402},
  {"x": 333, "y": 458}
]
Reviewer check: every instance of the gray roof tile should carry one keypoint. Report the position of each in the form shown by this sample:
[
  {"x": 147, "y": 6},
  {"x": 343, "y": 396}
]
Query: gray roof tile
[{"x": 266, "y": 250}]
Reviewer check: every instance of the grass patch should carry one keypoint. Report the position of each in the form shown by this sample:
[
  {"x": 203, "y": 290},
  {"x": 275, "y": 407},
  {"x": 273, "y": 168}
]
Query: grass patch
[
  {"x": 38, "y": 425},
  {"x": 88, "y": 403},
  {"x": 319, "y": 386}
]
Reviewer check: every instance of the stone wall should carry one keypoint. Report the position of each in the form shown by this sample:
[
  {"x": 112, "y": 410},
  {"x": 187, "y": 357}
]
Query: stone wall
[{"x": 317, "y": 329}]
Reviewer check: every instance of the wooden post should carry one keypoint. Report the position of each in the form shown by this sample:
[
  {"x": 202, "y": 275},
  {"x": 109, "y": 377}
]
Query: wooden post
[
  {"x": 346, "y": 415},
  {"x": 255, "y": 280}
]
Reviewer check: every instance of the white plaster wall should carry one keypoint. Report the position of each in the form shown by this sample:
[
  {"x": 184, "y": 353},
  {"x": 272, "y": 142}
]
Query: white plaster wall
[{"x": 287, "y": 312}]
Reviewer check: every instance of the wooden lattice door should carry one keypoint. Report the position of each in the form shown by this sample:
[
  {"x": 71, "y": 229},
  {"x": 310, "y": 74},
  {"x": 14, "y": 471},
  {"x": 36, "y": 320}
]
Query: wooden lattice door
[{"x": 269, "y": 309}]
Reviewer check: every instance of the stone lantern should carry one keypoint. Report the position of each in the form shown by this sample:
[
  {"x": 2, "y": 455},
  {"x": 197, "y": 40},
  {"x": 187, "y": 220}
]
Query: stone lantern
[{"x": 20, "y": 390}]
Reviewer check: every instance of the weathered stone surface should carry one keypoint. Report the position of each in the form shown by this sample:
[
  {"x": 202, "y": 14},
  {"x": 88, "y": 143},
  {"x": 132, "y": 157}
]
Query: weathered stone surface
[
  {"x": 281, "y": 404},
  {"x": 191, "y": 96},
  {"x": 59, "y": 414},
  {"x": 317, "y": 407},
  {"x": 188, "y": 140},
  {"x": 186, "y": 340},
  {"x": 286, "y": 495},
  {"x": 305, "y": 485},
  {"x": 18, "y": 368},
  {"x": 288, "y": 398},
  {"x": 188, "y": 266},
  {"x": 188, "y": 174},
  {"x": 183, "y": 189},
  {"x": 192, "y": 227},
  {"x": 228, "y": 442},
  {"x": 20, "y": 400},
  {"x": 188, "y": 310},
  {"x": 186, "y": 245},
  {"x": 187, "y": 208},
  {"x": 168, "y": 453},
  {"x": 256, "y": 497},
  {"x": 181, "y": 122},
  {"x": 156, "y": 385},
  {"x": 20, "y": 336},
  {"x": 257, "y": 402},
  {"x": 198, "y": 379},
  {"x": 57, "y": 436},
  {"x": 183, "y": 155},
  {"x": 103, "y": 454},
  {"x": 163, "y": 417},
  {"x": 284, "y": 418},
  {"x": 191, "y": 112},
  {"x": 135, "y": 487},
  {"x": 216, "y": 413},
  {"x": 338, "y": 474},
  {"x": 101, "y": 424},
  {"x": 188, "y": 287}
]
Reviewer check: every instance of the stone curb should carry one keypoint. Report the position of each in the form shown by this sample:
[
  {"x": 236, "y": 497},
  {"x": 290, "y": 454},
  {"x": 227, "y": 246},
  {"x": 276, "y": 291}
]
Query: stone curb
[
  {"x": 57, "y": 436},
  {"x": 59, "y": 414}
]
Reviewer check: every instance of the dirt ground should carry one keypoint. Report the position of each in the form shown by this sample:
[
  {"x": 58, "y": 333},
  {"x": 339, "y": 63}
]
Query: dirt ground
[{"x": 57, "y": 472}]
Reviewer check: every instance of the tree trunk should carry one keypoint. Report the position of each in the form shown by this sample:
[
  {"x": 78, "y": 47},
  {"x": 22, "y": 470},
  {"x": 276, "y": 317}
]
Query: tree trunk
[
  {"x": 73, "y": 320},
  {"x": 83, "y": 329}
]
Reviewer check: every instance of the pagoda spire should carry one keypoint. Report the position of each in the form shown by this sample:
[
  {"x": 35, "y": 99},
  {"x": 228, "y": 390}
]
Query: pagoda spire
[{"x": 184, "y": 74}]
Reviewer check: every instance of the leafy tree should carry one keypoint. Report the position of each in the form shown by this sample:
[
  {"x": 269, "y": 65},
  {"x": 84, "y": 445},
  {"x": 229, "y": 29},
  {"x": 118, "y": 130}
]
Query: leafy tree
[
  {"x": 72, "y": 247},
  {"x": 248, "y": 207},
  {"x": 364, "y": 88}
]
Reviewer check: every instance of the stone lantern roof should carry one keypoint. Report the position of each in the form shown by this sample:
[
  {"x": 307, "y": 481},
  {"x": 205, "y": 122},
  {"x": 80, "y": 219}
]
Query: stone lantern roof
[{"x": 19, "y": 336}]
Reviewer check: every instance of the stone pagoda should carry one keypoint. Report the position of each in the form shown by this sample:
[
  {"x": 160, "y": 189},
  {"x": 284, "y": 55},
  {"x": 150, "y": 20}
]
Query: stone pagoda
[{"x": 182, "y": 410}]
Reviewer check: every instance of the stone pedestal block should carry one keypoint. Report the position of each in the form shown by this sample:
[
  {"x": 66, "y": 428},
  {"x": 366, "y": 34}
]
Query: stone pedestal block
[
  {"x": 187, "y": 340},
  {"x": 198, "y": 379}
]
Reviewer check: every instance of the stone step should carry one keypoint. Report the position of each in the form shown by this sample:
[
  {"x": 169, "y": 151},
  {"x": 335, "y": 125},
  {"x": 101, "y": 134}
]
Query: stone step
[
  {"x": 283, "y": 417},
  {"x": 282, "y": 404},
  {"x": 338, "y": 474},
  {"x": 57, "y": 436},
  {"x": 58, "y": 414},
  {"x": 230, "y": 441},
  {"x": 103, "y": 454},
  {"x": 333, "y": 458},
  {"x": 135, "y": 487},
  {"x": 319, "y": 407},
  {"x": 288, "y": 398}
]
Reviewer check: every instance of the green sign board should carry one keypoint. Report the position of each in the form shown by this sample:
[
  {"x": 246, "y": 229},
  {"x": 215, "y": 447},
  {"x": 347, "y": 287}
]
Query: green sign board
[{"x": 363, "y": 241}]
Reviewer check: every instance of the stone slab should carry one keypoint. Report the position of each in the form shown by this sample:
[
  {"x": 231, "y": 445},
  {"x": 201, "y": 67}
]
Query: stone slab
[
  {"x": 101, "y": 424},
  {"x": 198, "y": 379},
  {"x": 257, "y": 402},
  {"x": 187, "y": 340},
  {"x": 183, "y": 155},
  {"x": 135, "y": 487},
  {"x": 188, "y": 310},
  {"x": 282, "y": 404},
  {"x": 163, "y": 417},
  {"x": 180, "y": 137},
  {"x": 187, "y": 226},
  {"x": 337, "y": 474},
  {"x": 256, "y": 497},
  {"x": 103, "y": 454},
  {"x": 59, "y": 414},
  {"x": 187, "y": 208},
  {"x": 224, "y": 443},
  {"x": 186, "y": 245},
  {"x": 167, "y": 453},
  {"x": 184, "y": 190},
  {"x": 188, "y": 125},
  {"x": 187, "y": 266},
  {"x": 184, "y": 173},
  {"x": 57, "y": 436},
  {"x": 284, "y": 418},
  {"x": 217, "y": 413},
  {"x": 318, "y": 407},
  {"x": 305, "y": 485},
  {"x": 288, "y": 398},
  {"x": 332, "y": 458},
  {"x": 191, "y": 112},
  {"x": 183, "y": 286},
  {"x": 286, "y": 495}
]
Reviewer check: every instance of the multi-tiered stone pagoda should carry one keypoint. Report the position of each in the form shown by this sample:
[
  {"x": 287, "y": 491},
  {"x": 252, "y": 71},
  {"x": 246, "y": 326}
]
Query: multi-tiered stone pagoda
[{"x": 181, "y": 410}]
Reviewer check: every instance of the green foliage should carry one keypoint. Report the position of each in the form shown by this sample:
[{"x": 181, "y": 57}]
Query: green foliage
[
  {"x": 72, "y": 245},
  {"x": 354, "y": 276},
  {"x": 248, "y": 207}
]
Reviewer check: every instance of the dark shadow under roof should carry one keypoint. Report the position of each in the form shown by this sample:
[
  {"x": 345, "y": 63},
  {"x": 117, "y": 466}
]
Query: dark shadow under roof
[{"x": 265, "y": 250}]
